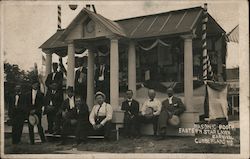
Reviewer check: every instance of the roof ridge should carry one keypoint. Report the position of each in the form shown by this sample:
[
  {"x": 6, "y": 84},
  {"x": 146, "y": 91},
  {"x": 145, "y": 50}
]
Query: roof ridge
[{"x": 179, "y": 10}]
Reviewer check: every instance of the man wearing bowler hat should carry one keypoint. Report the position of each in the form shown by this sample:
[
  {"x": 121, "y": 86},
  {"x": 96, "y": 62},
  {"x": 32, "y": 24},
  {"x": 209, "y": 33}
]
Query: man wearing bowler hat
[
  {"x": 172, "y": 106},
  {"x": 35, "y": 103}
]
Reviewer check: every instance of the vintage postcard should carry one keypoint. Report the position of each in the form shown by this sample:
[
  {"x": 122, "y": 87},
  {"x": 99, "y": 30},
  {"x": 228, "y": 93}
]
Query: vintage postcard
[{"x": 124, "y": 79}]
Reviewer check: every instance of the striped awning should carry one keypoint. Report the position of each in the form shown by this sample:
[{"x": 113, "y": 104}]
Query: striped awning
[{"x": 233, "y": 36}]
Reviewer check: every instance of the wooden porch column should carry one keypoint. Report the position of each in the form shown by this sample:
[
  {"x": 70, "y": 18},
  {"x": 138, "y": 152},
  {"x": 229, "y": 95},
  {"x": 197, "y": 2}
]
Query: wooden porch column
[
  {"x": 90, "y": 79},
  {"x": 132, "y": 67},
  {"x": 71, "y": 64},
  {"x": 188, "y": 73},
  {"x": 114, "y": 72}
]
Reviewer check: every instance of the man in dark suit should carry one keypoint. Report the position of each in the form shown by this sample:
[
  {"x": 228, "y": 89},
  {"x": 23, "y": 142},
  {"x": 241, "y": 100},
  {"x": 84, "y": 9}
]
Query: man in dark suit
[
  {"x": 131, "y": 108},
  {"x": 35, "y": 102},
  {"x": 53, "y": 101},
  {"x": 74, "y": 115},
  {"x": 55, "y": 76},
  {"x": 102, "y": 77},
  {"x": 19, "y": 113},
  {"x": 81, "y": 80},
  {"x": 171, "y": 106}
]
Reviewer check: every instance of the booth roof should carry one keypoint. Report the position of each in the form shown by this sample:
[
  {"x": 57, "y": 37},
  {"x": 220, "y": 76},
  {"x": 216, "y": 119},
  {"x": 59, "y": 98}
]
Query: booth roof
[{"x": 177, "y": 22}]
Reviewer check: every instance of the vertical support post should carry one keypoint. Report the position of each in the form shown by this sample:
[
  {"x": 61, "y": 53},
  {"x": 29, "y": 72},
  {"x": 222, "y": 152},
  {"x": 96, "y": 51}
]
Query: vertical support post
[
  {"x": 90, "y": 79},
  {"x": 188, "y": 73},
  {"x": 71, "y": 65},
  {"x": 114, "y": 72},
  {"x": 48, "y": 62},
  {"x": 132, "y": 67}
]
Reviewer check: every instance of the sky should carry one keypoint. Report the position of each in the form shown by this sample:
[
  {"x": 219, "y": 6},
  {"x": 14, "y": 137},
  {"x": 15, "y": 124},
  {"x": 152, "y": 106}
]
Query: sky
[{"x": 26, "y": 25}]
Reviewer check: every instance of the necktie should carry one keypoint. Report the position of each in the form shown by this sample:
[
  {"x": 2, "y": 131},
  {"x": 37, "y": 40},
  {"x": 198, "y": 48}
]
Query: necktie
[
  {"x": 16, "y": 99},
  {"x": 97, "y": 114}
]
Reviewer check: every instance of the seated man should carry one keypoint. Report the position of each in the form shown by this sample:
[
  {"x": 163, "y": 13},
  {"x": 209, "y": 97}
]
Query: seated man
[
  {"x": 150, "y": 110},
  {"x": 171, "y": 106},
  {"x": 75, "y": 116},
  {"x": 101, "y": 115},
  {"x": 131, "y": 108},
  {"x": 66, "y": 106}
]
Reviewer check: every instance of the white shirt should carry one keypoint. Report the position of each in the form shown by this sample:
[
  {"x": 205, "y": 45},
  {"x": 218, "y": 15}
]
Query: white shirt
[
  {"x": 105, "y": 110},
  {"x": 16, "y": 99},
  {"x": 155, "y": 104},
  {"x": 34, "y": 92},
  {"x": 129, "y": 101},
  {"x": 71, "y": 102},
  {"x": 53, "y": 75},
  {"x": 80, "y": 79},
  {"x": 101, "y": 77},
  {"x": 170, "y": 100}
]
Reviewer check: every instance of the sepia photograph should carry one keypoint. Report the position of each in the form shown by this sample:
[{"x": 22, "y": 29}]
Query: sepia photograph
[{"x": 124, "y": 79}]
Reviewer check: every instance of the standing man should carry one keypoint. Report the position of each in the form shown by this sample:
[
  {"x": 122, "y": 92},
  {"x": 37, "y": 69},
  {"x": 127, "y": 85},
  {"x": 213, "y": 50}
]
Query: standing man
[
  {"x": 81, "y": 79},
  {"x": 102, "y": 77},
  {"x": 150, "y": 110},
  {"x": 131, "y": 108},
  {"x": 36, "y": 102},
  {"x": 19, "y": 113},
  {"x": 171, "y": 106},
  {"x": 54, "y": 77},
  {"x": 53, "y": 101},
  {"x": 101, "y": 115}
]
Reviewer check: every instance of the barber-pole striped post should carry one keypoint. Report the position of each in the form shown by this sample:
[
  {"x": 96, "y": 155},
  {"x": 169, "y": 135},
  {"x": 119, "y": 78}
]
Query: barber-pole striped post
[
  {"x": 59, "y": 20},
  {"x": 207, "y": 69}
]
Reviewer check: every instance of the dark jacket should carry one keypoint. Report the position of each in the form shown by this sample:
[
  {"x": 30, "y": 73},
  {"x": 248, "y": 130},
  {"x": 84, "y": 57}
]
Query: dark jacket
[
  {"x": 176, "y": 108},
  {"x": 39, "y": 102},
  {"x": 58, "y": 79},
  {"x": 81, "y": 115},
  {"x": 132, "y": 110},
  {"x": 78, "y": 72},
  {"x": 56, "y": 99},
  {"x": 106, "y": 73},
  {"x": 21, "y": 109}
]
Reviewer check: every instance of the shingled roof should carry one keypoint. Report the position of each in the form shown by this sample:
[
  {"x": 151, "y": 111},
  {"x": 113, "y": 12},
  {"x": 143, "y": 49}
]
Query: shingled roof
[{"x": 177, "y": 22}]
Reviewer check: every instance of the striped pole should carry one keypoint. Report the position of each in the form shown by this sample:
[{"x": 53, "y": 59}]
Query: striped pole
[
  {"x": 59, "y": 20},
  {"x": 207, "y": 69}
]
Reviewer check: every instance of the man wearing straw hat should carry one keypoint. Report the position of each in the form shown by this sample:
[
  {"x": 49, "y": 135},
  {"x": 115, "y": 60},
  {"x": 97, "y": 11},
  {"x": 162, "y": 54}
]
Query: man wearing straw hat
[
  {"x": 172, "y": 107},
  {"x": 36, "y": 102},
  {"x": 101, "y": 115}
]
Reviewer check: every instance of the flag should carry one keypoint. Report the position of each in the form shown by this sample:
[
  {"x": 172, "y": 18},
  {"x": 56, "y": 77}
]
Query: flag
[
  {"x": 217, "y": 99},
  {"x": 43, "y": 60},
  {"x": 233, "y": 35}
]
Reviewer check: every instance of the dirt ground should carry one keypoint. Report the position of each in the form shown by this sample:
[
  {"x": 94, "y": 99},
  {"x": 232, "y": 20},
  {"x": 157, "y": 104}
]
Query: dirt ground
[{"x": 145, "y": 144}]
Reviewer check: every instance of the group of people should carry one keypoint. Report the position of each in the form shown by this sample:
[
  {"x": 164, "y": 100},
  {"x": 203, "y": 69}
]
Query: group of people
[
  {"x": 73, "y": 115},
  {"x": 63, "y": 116},
  {"x": 152, "y": 111}
]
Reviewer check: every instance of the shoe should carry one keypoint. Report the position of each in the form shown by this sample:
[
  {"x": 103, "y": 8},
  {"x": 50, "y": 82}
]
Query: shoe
[
  {"x": 158, "y": 138},
  {"x": 61, "y": 143}
]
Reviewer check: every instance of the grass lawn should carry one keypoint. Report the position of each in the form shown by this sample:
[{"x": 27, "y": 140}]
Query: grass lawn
[{"x": 145, "y": 144}]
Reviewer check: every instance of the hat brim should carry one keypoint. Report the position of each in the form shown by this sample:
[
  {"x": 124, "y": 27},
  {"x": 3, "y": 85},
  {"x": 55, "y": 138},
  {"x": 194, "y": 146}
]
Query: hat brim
[
  {"x": 33, "y": 119},
  {"x": 101, "y": 94}
]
